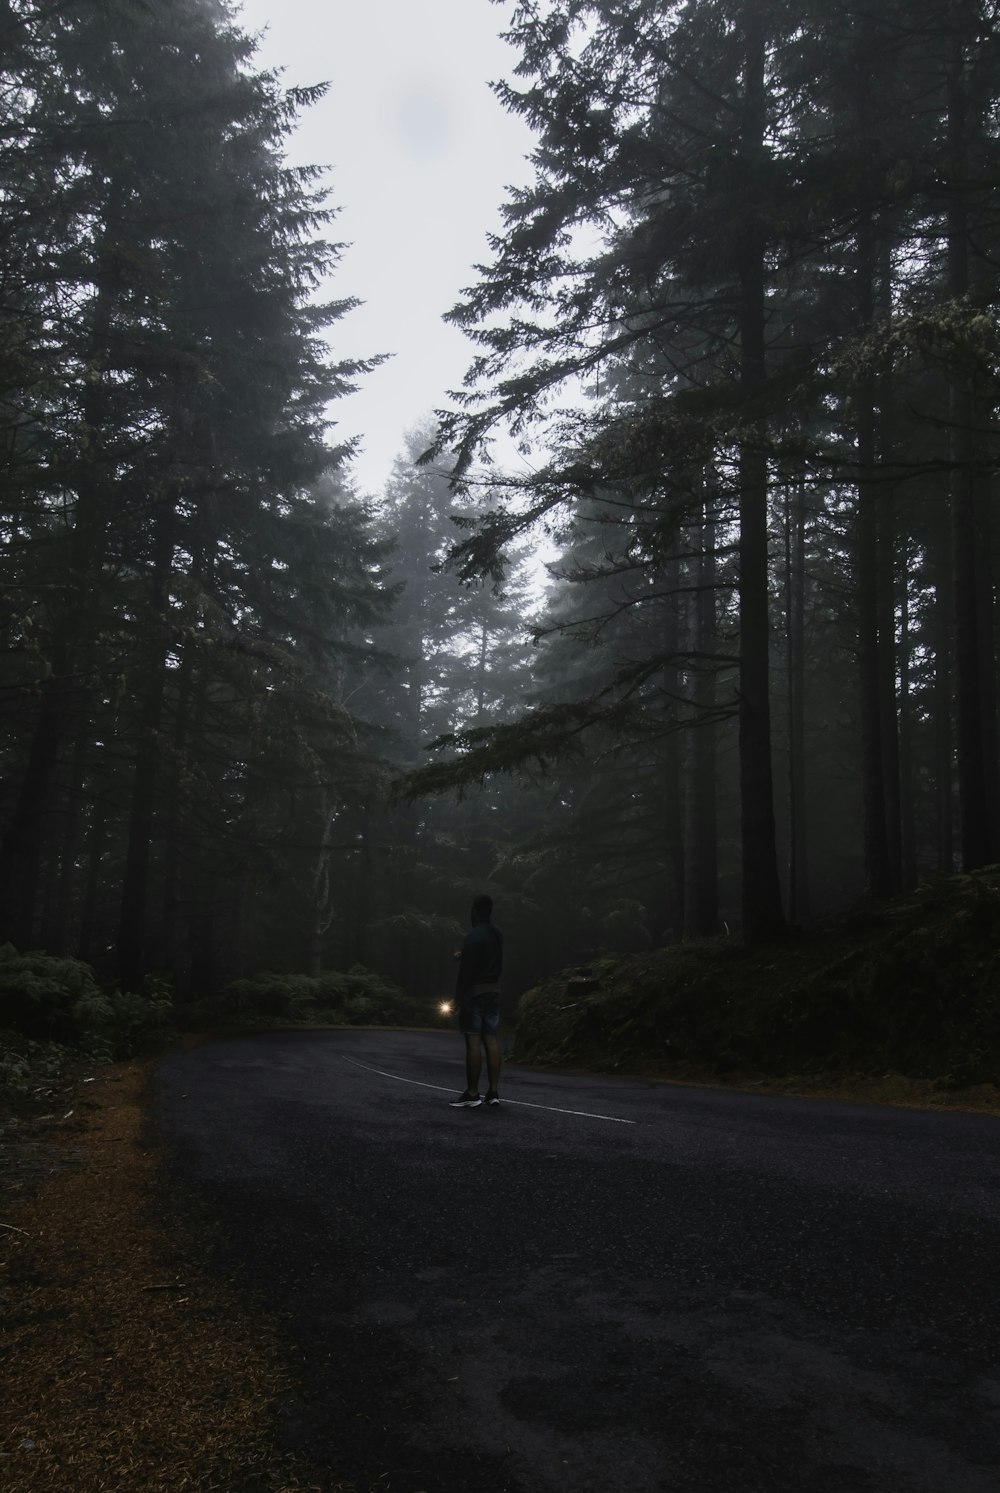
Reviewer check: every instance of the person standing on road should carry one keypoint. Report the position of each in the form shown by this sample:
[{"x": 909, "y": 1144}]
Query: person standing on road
[{"x": 477, "y": 995}]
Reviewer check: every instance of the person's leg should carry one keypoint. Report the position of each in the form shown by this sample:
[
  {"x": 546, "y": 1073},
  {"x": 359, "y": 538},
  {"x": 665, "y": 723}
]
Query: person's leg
[
  {"x": 473, "y": 1061},
  {"x": 492, "y": 1045}
]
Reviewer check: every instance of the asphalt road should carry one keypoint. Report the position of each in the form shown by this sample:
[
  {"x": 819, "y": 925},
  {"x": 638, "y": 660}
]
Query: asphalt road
[{"x": 727, "y": 1294}]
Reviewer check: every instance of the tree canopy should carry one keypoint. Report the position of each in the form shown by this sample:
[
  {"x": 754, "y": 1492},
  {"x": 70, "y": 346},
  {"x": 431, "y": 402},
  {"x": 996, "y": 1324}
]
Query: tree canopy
[{"x": 743, "y": 325}]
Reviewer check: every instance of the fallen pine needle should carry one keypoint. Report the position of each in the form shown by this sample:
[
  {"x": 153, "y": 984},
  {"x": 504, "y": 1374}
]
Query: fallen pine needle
[{"x": 117, "y": 1391}]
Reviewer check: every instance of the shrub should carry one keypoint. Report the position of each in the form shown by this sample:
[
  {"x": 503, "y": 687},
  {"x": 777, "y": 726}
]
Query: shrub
[
  {"x": 910, "y": 986},
  {"x": 355, "y": 996},
  {"x": 29, "y": 1071},
  {"x": 38, "y": 993},
  {"x": 50, "y": 999}
]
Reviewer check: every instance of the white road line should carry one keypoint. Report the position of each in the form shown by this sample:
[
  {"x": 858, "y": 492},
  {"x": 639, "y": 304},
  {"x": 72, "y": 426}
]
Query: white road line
[
  {"x": 551, "y": 1108},
  {"x": 416, "y": 1081}
]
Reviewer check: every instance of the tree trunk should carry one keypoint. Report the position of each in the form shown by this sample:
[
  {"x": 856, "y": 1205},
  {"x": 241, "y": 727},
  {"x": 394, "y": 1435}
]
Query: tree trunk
[
  {"x": 133, "y": 934},
  {"x": 943, "y": 707},
  {"x": 362, "y": 885},
  {"x": 321, "y": 906},
  {"x": 58, "y": 938},
  {"x": 95, "y": 865},
  {"x": 975, "y": 731},
  {"x": 174, "y": 818},
  {"x": 887, "y": 589},
  {"x": 762, "y": 913},
  {"x": 197, "y": 973},
  {"x": 986, "y": 621},
  {"x": 701, "y": 899},
  {"x": 484, "y": 634},
  {"x": 795, "y": 591},
  {"x": 907, "y": 835},
  {"x": 672, "y": 766},
  {"x": 870, "y": 606},
  {"x": 20, "y": 858}
]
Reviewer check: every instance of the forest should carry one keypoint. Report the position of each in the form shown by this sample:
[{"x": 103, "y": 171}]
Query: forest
[{"x": 714, "y": 658}]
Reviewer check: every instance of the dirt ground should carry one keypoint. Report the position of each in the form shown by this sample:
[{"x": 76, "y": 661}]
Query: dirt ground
[{"x": 126, "y": 1368}]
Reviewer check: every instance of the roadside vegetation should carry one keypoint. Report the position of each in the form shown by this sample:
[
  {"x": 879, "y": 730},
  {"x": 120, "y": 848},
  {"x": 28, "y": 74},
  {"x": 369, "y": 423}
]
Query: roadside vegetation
[
  {"x": 899, "y": 999},
  {"x": 357, "y": 997},
  {"x": 58, "y": 1022},
  {"x": 893, "y": 1000}
]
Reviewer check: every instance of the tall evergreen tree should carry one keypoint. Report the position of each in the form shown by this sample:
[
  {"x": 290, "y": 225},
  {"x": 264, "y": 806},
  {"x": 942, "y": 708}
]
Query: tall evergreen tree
[{"x": 165, "y": 473}]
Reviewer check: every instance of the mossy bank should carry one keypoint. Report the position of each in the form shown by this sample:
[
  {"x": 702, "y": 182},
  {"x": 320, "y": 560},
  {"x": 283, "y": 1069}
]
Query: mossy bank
[{"x": 908, "y": 988}]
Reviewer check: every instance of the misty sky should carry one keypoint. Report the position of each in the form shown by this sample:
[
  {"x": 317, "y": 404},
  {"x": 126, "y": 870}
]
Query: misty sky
[{"x": 420, "y": 152}]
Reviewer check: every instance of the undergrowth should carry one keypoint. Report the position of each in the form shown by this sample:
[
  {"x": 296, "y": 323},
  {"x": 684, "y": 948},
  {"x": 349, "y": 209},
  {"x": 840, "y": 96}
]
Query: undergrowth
[
  {"x": 910, "y": 986},
  {"x": 57, "y": 1021},
  {"x": 356, "y": 997}
]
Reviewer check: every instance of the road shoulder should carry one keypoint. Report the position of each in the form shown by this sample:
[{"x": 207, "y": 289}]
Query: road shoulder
[{"x": 134, "y": 1368}]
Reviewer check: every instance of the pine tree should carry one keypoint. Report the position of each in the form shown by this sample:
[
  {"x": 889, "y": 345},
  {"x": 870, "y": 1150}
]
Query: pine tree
[
  {"x": 179, "y": 382},
  {"x": 659, "y": 126}
]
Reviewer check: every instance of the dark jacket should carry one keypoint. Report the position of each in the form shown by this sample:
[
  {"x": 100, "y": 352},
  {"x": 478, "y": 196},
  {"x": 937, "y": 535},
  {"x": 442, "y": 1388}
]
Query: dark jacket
[{"x": 481, "y": 960}]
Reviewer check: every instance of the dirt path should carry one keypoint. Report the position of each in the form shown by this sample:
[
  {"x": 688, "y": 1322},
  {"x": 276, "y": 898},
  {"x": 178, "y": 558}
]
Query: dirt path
[{"x": 126, "y": 1368}]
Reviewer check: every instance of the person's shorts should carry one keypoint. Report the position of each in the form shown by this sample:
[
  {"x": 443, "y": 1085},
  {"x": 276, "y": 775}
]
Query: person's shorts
[{"x": 479, "y": 1013}]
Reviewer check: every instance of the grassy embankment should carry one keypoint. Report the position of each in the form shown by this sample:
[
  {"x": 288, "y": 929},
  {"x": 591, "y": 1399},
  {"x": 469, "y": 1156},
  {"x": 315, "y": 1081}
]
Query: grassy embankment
[{"x": 895, "y": 1002}]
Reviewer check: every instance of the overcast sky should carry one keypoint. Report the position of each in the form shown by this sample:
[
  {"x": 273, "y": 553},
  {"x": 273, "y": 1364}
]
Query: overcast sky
[{"x": 420, "y": 153}]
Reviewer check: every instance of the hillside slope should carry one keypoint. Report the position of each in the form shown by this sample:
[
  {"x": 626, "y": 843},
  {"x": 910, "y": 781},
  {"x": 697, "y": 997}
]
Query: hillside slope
[{"x": 908, "y": 987}]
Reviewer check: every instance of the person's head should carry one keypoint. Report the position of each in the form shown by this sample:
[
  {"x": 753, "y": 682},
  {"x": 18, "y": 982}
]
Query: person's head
[{"x": 482, "y": 908}]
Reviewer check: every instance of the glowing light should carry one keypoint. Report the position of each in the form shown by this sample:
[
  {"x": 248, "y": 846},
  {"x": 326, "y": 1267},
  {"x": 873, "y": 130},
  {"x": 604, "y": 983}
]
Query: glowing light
[{"x": 445, "y": 1008}]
